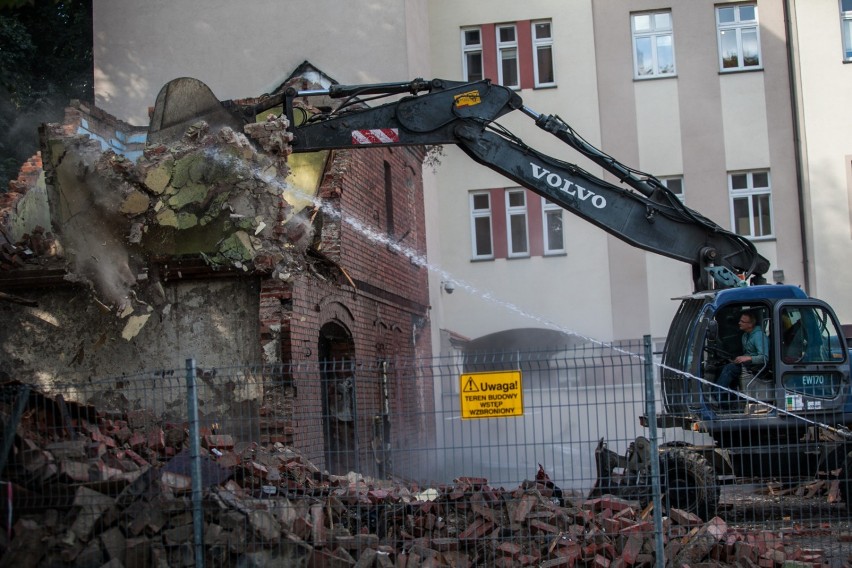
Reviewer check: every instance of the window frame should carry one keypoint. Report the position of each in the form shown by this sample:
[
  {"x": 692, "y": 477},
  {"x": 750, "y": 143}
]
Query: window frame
[
  {"x": 752, "y": 195},
  {"x": 653, "y": 34},
  {"x": 480, "y": 214},
  {"x": 517, "y": 211},
  {"x": 737, "y": 26},
  {"x": 503, "y": 47},
  {"x": 542, "y": 43},
  {"x": 472, "y": 49},
  {"x": 548, "y": 208},
  {"x": 846, "y": 29}
]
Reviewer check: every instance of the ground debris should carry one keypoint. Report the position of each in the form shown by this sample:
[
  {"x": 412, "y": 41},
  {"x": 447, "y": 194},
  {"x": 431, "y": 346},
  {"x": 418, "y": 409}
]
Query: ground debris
[{"x": 114, "y": 487}]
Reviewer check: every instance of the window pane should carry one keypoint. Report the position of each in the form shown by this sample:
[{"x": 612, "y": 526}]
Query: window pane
[
  {"x": 480, "y": 201},
  {"x": 846, "y": 5},
  {"x": 847, "y": 38},
  {"x": 726, "y": 15},
  {"x": 739, "y": 181},
  {"x": 728, "y": 40},
  {"x": 747, "y": 14},
  {"x": 665, "y": 54},
  {"x": 519, "y": 233},
  {"x": 662, "y": 21},
  {"x": 471, "y": 37},
  {"x": 516, "y": 199},
  {"x": 751, "y": 54},
  {"x": 509, "y": 63},
  {"x": 542, "y": 30},
  {"x": 482, "y": 228},
  {"x": 674, "y": 185},
  {"x": 742, "y": 225},
  {"x": 507, "y": 34},
  {"x": 644, "y": 57},
  {"x": 554, "y": 231},
  {"x": 760, "y": 179},
  {"x": 545, "y": 64},
  {"x": 474, "y": 66},
  {"x": 764, "y": 219},
  {"x": 642, "y": 22}
]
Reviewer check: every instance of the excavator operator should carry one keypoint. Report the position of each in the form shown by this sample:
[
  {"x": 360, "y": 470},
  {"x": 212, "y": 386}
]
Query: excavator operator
[{"x": 755, "y": 353}]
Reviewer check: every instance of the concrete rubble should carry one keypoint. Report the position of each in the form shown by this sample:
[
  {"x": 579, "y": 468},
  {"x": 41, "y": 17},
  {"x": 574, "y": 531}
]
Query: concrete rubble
[
  {"x": 98, "y": 487},
  {"x": 216, "y": 196}
]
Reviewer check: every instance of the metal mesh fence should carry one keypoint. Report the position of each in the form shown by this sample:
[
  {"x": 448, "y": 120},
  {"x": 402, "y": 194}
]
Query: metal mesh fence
[{"x": 342, "y": 463}]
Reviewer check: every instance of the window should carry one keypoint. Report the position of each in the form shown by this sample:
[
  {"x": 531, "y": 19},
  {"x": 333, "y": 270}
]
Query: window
[
  {"x": 751, "y": 204},
  {"x": 507, "y": 56},
  {"x": 543, "y": 54},
  {"x": 846, "y": 28},
  {"x": 739, "y": 37},
  {"x": 480, "y": 226},
  {"x": 517, "y": 55},
  {"x": 554, "y": 237},
  {"x": 516, "y": 222},
  {"x": 472, "y": 54},
  {"x": 653, "y": 45},
  {"x": 675, "y": 185},
  {"x": 388, "y": 200}
]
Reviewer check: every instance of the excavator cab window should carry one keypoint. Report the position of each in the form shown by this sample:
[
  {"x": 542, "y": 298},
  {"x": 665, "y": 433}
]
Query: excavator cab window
[
  {"x": 809, "y": 335},
  {"x": 682, "y": 356}
]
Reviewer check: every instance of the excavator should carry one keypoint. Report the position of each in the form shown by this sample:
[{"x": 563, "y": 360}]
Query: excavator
[{"x": 784, "y": 418}]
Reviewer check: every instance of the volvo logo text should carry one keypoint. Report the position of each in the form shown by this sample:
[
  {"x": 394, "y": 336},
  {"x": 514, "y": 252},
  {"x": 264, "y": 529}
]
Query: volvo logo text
[{"x": 555, "y": 180}]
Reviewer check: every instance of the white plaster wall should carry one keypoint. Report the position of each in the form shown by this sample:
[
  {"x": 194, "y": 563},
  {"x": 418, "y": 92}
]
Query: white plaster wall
[
  {"x": 744, "y": 122},
  {"x": 658, "y": 126},
  {"x": 826, "y": 83},
  {"x": 244, "y": 49}
]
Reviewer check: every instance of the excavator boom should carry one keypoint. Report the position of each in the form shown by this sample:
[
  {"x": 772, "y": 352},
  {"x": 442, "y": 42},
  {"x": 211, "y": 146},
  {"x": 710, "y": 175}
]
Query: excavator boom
[{"x": 641, "y": 211}]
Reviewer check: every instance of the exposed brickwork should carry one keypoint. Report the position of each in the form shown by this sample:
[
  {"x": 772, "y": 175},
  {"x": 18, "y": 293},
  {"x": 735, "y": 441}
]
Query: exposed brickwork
[
  {"x": 27, "y": 177},
  {"x": 387, "y": 316}
]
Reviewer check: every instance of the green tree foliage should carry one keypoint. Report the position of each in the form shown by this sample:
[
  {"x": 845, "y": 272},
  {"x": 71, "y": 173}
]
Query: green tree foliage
[{"x": 45, "y": 61}]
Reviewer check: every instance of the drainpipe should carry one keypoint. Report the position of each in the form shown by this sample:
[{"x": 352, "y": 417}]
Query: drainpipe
[{"x": 798, "y": 139}]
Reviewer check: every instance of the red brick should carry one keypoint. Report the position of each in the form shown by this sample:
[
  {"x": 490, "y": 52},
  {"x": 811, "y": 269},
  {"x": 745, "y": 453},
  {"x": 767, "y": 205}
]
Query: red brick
[{"x": 476, "y": 529}]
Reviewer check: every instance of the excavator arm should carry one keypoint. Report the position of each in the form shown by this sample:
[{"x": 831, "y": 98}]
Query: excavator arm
[{"x": 640, "y": 211}]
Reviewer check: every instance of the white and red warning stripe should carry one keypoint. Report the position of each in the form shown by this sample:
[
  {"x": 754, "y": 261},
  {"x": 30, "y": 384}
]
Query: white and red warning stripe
[{"x": 375, "y": 136}]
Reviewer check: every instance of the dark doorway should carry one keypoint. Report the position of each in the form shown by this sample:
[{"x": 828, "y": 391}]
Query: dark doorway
[{"x": 339, "y": 403}]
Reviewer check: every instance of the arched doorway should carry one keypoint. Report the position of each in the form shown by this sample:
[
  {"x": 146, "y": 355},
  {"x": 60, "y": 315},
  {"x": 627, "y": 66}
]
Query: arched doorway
[{"x": 336, "y": 352}]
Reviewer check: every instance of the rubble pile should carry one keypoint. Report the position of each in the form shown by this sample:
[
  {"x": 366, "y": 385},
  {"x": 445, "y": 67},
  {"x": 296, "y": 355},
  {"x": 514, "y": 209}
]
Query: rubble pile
[
  {"x": 32, "y": 248},
  {"x": 209, "y": 177},
  {"x": 107, "y": 488},
  {"x": 214, "y": 193}
]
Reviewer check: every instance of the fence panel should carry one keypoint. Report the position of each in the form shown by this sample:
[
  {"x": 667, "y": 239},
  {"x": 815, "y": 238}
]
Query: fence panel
[{"x": 342, "y": 463}]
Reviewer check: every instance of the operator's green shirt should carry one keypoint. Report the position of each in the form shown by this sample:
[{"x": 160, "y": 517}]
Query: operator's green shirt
[{"x": 756, "y": 346}]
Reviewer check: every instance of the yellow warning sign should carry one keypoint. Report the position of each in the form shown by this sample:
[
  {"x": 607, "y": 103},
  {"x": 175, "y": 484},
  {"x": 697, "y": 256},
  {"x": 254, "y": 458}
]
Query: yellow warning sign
[
  {"x": 491, "y": 395},
  {"x": 470, "y": 98}
]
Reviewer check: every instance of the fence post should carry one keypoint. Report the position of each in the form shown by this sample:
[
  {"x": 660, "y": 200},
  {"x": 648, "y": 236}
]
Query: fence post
[
  {"x": 651, "y": 413},
  {"x": 195, "y": 460}
]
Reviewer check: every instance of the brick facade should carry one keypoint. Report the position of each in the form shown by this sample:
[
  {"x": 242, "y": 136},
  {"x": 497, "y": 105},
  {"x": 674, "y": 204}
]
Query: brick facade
[{"x": 385, "y": 315}]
